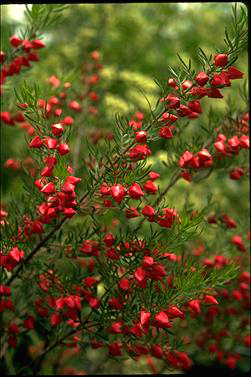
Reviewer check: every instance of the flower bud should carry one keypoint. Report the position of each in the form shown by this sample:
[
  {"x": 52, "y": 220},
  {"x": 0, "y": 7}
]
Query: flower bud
[
  {"x": 220, "y": 60},
  {"x": 150, "y": 187},
  {"x": 202, "y": 78},
  {"x": 51, "y": 143},
  {"x": 63, "y": 149},
  {"x": 37, "y": 43},
  {"x": 141, "y": 136},
  {"x": 15, "y": 41},
  {"x": 37, "y": 142},
  {"x": 135, "y": 191},
  {"x": 118, "y": 192}
]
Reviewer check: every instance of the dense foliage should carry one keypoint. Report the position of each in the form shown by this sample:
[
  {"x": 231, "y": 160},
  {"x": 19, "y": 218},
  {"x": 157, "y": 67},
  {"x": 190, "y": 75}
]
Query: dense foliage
[{"x": 124, "y": 209}]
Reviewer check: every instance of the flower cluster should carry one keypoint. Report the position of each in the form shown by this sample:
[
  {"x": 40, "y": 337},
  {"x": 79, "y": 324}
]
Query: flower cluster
[{"x": 24, "y": 51}]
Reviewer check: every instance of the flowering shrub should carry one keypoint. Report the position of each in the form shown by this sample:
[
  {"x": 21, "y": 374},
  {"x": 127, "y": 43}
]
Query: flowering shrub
[{"x": 77, "y": 269}]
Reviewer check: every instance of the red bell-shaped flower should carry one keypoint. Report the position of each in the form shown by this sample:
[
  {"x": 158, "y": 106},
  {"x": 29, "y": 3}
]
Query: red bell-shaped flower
[
  {"x": 220, "y": 60},
  {"x": 37, "y": 142},
  {"x": 202, "y": 78},
  {"x": 162, "y": 319},
  {"x": 118, "y": 192},
  {"x": 150, "y": 187},
  {"x": 135, "y": 191},
  {"x": 63, "y": 149},
  {"x": 48, "y": 189},
  {"x": 195, "y": 306},
  {"x": 140, "y": 274}
]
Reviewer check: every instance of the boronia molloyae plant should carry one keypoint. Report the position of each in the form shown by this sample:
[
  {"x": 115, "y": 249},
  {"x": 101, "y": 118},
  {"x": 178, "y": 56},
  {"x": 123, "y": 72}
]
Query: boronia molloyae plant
[{"x": 95, "y": 253}]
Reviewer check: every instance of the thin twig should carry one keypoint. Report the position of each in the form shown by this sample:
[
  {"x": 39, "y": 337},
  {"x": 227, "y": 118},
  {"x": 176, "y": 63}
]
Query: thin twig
[
  {"x": 58, "y": 342},
  {"x": 173, "y": 180}
]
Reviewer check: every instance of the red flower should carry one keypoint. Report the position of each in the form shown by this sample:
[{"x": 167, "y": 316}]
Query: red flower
[
  {"x": 202, "y": 78},
  {"x": 63, "y": 149},
  {"x": 2, "y": 56},
  {"x": 51, "y": 143},
  {"x": 29, "y": 322},
  {"x": 214, "y": 93},
  {"x": 150, "y": 187},
  {"x": 68, "y": 121},
  {"x": 153, "y": 175},
  {"x": 185, "y": 159},
  {"x": 37, "y": 43},
  {"x": 186, "y": 84},
  {"x": 184, "y": 111},
  {"x": 74, "y": 105},
  {"x": 195, "y": 106},
  {"x": 131, "y": 213},
  {"x": 116, "y": 328},
  {"x": 231, "y": 362},
  {"x": 73, "y": 180},
  {"x": 140, "y": 274},
  {"x": 141, "y": 136},
  {"x": 144, "y": 317},
  {"x": 112, "y": 254},
  {"x": 219, "y": 146},
  {"x": 114, "y": 303},
  {"x": 233, "y": 73},
  {"x": 198, "y": 92},
  {"x": 184, "y": 359},
  {"x": 135, "y": 191},
  {"x": 94, "y": 303},
  {"x": 124, "y": 284},
  {"x": 234, "y": 142},
  {"x": 171, "y": 118},
  {"x": 162, "y": 319},
  {"x": 210, "y": 299},
  {"x": 157, "y": 351},
  {"x": 115, "y": 349},
  {"x": 220, "y": 80},
  {"x": 109, "y": 239},
  {"x": 95, "y": 55},
  {"x": 105, "y": 189},
  {"x": 57, "y": 129},
  {"x": 244, "y": 141},
  {"x": 149, "y": 212},
  {"x": 13, "y": 328},
  {"x": 55, "y": 319},
  {"x": 173, "y": 102},
  {"x": 238, "y": 241},
  {"x": 140, "y": 152},
  {"x": 220, "y": 60},
  {"x": 147, "y": 261},
  {"x": 174, "y": 312},
  {"x": 236, "y": 174},
  {"x": 172, "y": 83},
  {"x": 166, "y": 133},
  {"x": 6, "y": 118},
  {"x": 118, "y": 193},
  {"x": 15, "y": 41},
  {"x": 168, "y": 217},
  {"x": 136, "y": 330},
  {"x": 37, "y": 142},
  {"x": 205, "y": 157},
  {"x": 195, "y": 306},
  {"x": 48, "y": 189}
]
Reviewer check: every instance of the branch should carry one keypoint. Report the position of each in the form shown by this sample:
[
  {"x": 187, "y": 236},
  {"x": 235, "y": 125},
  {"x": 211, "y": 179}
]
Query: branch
[
  {"x": 58, "y": 342},
  {"x": 173, "y": 180}
]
